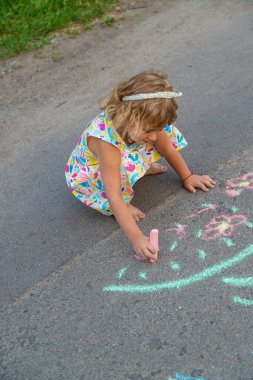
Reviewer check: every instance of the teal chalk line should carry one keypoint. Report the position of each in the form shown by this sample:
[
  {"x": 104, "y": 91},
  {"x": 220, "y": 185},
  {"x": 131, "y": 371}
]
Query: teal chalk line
[
  {"x": 206, "y": 273},
  {"x": 143, "y": 275},
  {"x": 121, "y": 272},
  {"x": 199, "y": 233},
  {"x": 243, "y": 301},
  {"x": 202, "y": 254},
  {"x": 229, "y": 243},
  {"x": 248, "y": 224},
  {"x": 235, "y": 281},
  {"x": 234, "y": 209},
  {"x": 174, "y": 266},
  {"x": 173, "y": 246},
  {"x": 206, "y": 205}
]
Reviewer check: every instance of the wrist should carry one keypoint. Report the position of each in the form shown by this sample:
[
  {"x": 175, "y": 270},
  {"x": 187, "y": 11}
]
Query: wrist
[
  {"x": 133, "y": 237},
  {"x": 188, "y": 176}
]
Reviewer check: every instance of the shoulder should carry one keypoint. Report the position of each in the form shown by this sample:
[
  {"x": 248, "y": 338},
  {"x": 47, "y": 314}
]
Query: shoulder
[
  {"x": 102, "y": 128},
  {"x": 97, "y": 123},
  {"x": 101, "y": 148}
]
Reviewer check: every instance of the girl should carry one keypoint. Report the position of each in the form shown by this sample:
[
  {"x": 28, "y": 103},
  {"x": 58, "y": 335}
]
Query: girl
[{"x": 122, "y": 145}]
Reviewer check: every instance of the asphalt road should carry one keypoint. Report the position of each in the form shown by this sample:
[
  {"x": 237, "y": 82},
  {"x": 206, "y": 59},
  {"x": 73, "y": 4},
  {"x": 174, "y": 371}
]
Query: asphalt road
[{"x": 76, "y": 305}]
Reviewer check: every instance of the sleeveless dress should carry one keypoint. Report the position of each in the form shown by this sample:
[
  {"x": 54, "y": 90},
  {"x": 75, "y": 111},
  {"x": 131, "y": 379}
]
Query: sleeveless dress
[{"x": 83, "y": 174}]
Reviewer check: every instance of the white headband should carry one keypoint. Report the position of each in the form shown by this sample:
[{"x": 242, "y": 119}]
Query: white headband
[{"x": 153, "y": 95}]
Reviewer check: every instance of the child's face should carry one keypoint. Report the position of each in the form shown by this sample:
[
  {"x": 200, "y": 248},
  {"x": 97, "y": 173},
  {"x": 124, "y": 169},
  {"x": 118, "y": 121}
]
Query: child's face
[{"x": 148, "y": 136}]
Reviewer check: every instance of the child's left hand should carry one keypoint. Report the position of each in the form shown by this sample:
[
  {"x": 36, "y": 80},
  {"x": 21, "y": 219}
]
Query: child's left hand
[{"x": 203, "y": 182}]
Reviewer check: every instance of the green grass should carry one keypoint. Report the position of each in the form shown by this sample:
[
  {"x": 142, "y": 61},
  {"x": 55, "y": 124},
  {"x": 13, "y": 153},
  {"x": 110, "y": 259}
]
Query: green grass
[{"x": 27, "y": 24}]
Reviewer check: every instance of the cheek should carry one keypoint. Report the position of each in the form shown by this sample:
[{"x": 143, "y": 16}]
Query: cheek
[
  {"x": 142, "y": 136},
  {"x": 152, "y": 136}
]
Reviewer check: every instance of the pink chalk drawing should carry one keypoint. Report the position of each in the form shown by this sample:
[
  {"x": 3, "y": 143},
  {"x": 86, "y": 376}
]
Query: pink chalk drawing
[
  {"x": 180, "y": 230},
  {"x": 235, "y": 186},
  {"x": 222, "y": 226},
  {"x": 208, "y": 208}
]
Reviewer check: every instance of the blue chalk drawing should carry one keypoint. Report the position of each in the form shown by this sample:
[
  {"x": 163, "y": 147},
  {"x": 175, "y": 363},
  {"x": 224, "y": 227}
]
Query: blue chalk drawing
[{"x": 180, "y": 376}]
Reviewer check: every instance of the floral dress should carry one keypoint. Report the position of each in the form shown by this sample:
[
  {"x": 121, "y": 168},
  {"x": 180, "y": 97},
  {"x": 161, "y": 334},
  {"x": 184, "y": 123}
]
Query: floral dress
[{"x": 83, "y": 174}]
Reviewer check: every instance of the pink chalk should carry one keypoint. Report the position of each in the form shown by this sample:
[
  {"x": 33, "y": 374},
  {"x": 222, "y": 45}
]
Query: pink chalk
[{"x": 153, "y": 238}]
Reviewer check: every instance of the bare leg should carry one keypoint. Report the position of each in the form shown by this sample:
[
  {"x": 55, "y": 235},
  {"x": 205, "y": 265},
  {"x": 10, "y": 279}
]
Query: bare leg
[
  {"x": 135, "y": 212},
  {"x": 156, "y": 169}
]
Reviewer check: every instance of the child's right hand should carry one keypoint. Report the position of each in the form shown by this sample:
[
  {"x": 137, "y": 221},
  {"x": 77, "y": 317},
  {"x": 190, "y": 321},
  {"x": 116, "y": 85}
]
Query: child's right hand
[{"x": 143, "y": 248}]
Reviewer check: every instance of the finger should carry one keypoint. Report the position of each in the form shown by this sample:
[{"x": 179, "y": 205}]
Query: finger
[
  {"x": 151, "y": 248},
  {"x": 140, "y": 253},
  {"x": 203, "y": 187},
  {"x": 150, "y": 255},
  {"x": 141, "y": 214},
  {"x": 140, "y": 258},
  {"x": 210, "y": 179},
  {"x": 137, "y": 218},
  {"x": 190, "y": 188},
  {"x": 209, "y": 184}
]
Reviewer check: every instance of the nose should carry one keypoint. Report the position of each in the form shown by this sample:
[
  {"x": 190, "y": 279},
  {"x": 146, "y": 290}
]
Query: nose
[{"x": 153, "y": 136}]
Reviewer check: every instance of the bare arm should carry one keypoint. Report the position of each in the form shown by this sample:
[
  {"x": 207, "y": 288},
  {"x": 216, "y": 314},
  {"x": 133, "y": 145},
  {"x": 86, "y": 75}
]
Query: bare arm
[
  {"x": 164, "y": 146},
  {"x": 110, "y": 161}
]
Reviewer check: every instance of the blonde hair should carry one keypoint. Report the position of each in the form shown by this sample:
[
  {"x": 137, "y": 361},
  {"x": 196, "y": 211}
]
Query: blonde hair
[{"x": 133, "y": 117}]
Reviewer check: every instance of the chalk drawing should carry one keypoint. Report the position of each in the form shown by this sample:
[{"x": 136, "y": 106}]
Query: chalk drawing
[
  {"x": 175, "y": 266},
  {"x": 202, "y": 255},
  {"x": 177, "y": 284},
  {"x": 218, "y": 230},
  {"x": 180, "y": 230},
  {"x": 143, "y": 275},
  {"x": 222, "y": 225},
  {"x": 207, "y": 207},
  {"x": 235, "y": 186},
  {"x": 248, "y": 224},
  {"x": 229, "y": 243},
  {"x": 173, "y": 246},
  {"x": 199, "y": 233},
  {"x": 180, "y": 376},
  {"x": 242, "y": 301},
  {"x": 234, "y": 209},
  {"x": 121, "y": 272},
  {"x": 238, "y": 281},
  {"x": 219, "y": 227}
]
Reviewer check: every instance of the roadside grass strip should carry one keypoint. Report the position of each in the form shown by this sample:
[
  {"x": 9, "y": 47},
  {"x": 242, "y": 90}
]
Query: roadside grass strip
[{"x": 27, "y": 24}]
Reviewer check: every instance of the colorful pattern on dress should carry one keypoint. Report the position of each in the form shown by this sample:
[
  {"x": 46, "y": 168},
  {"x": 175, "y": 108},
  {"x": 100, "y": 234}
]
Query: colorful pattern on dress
[{"x": 83, "y": 174}]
